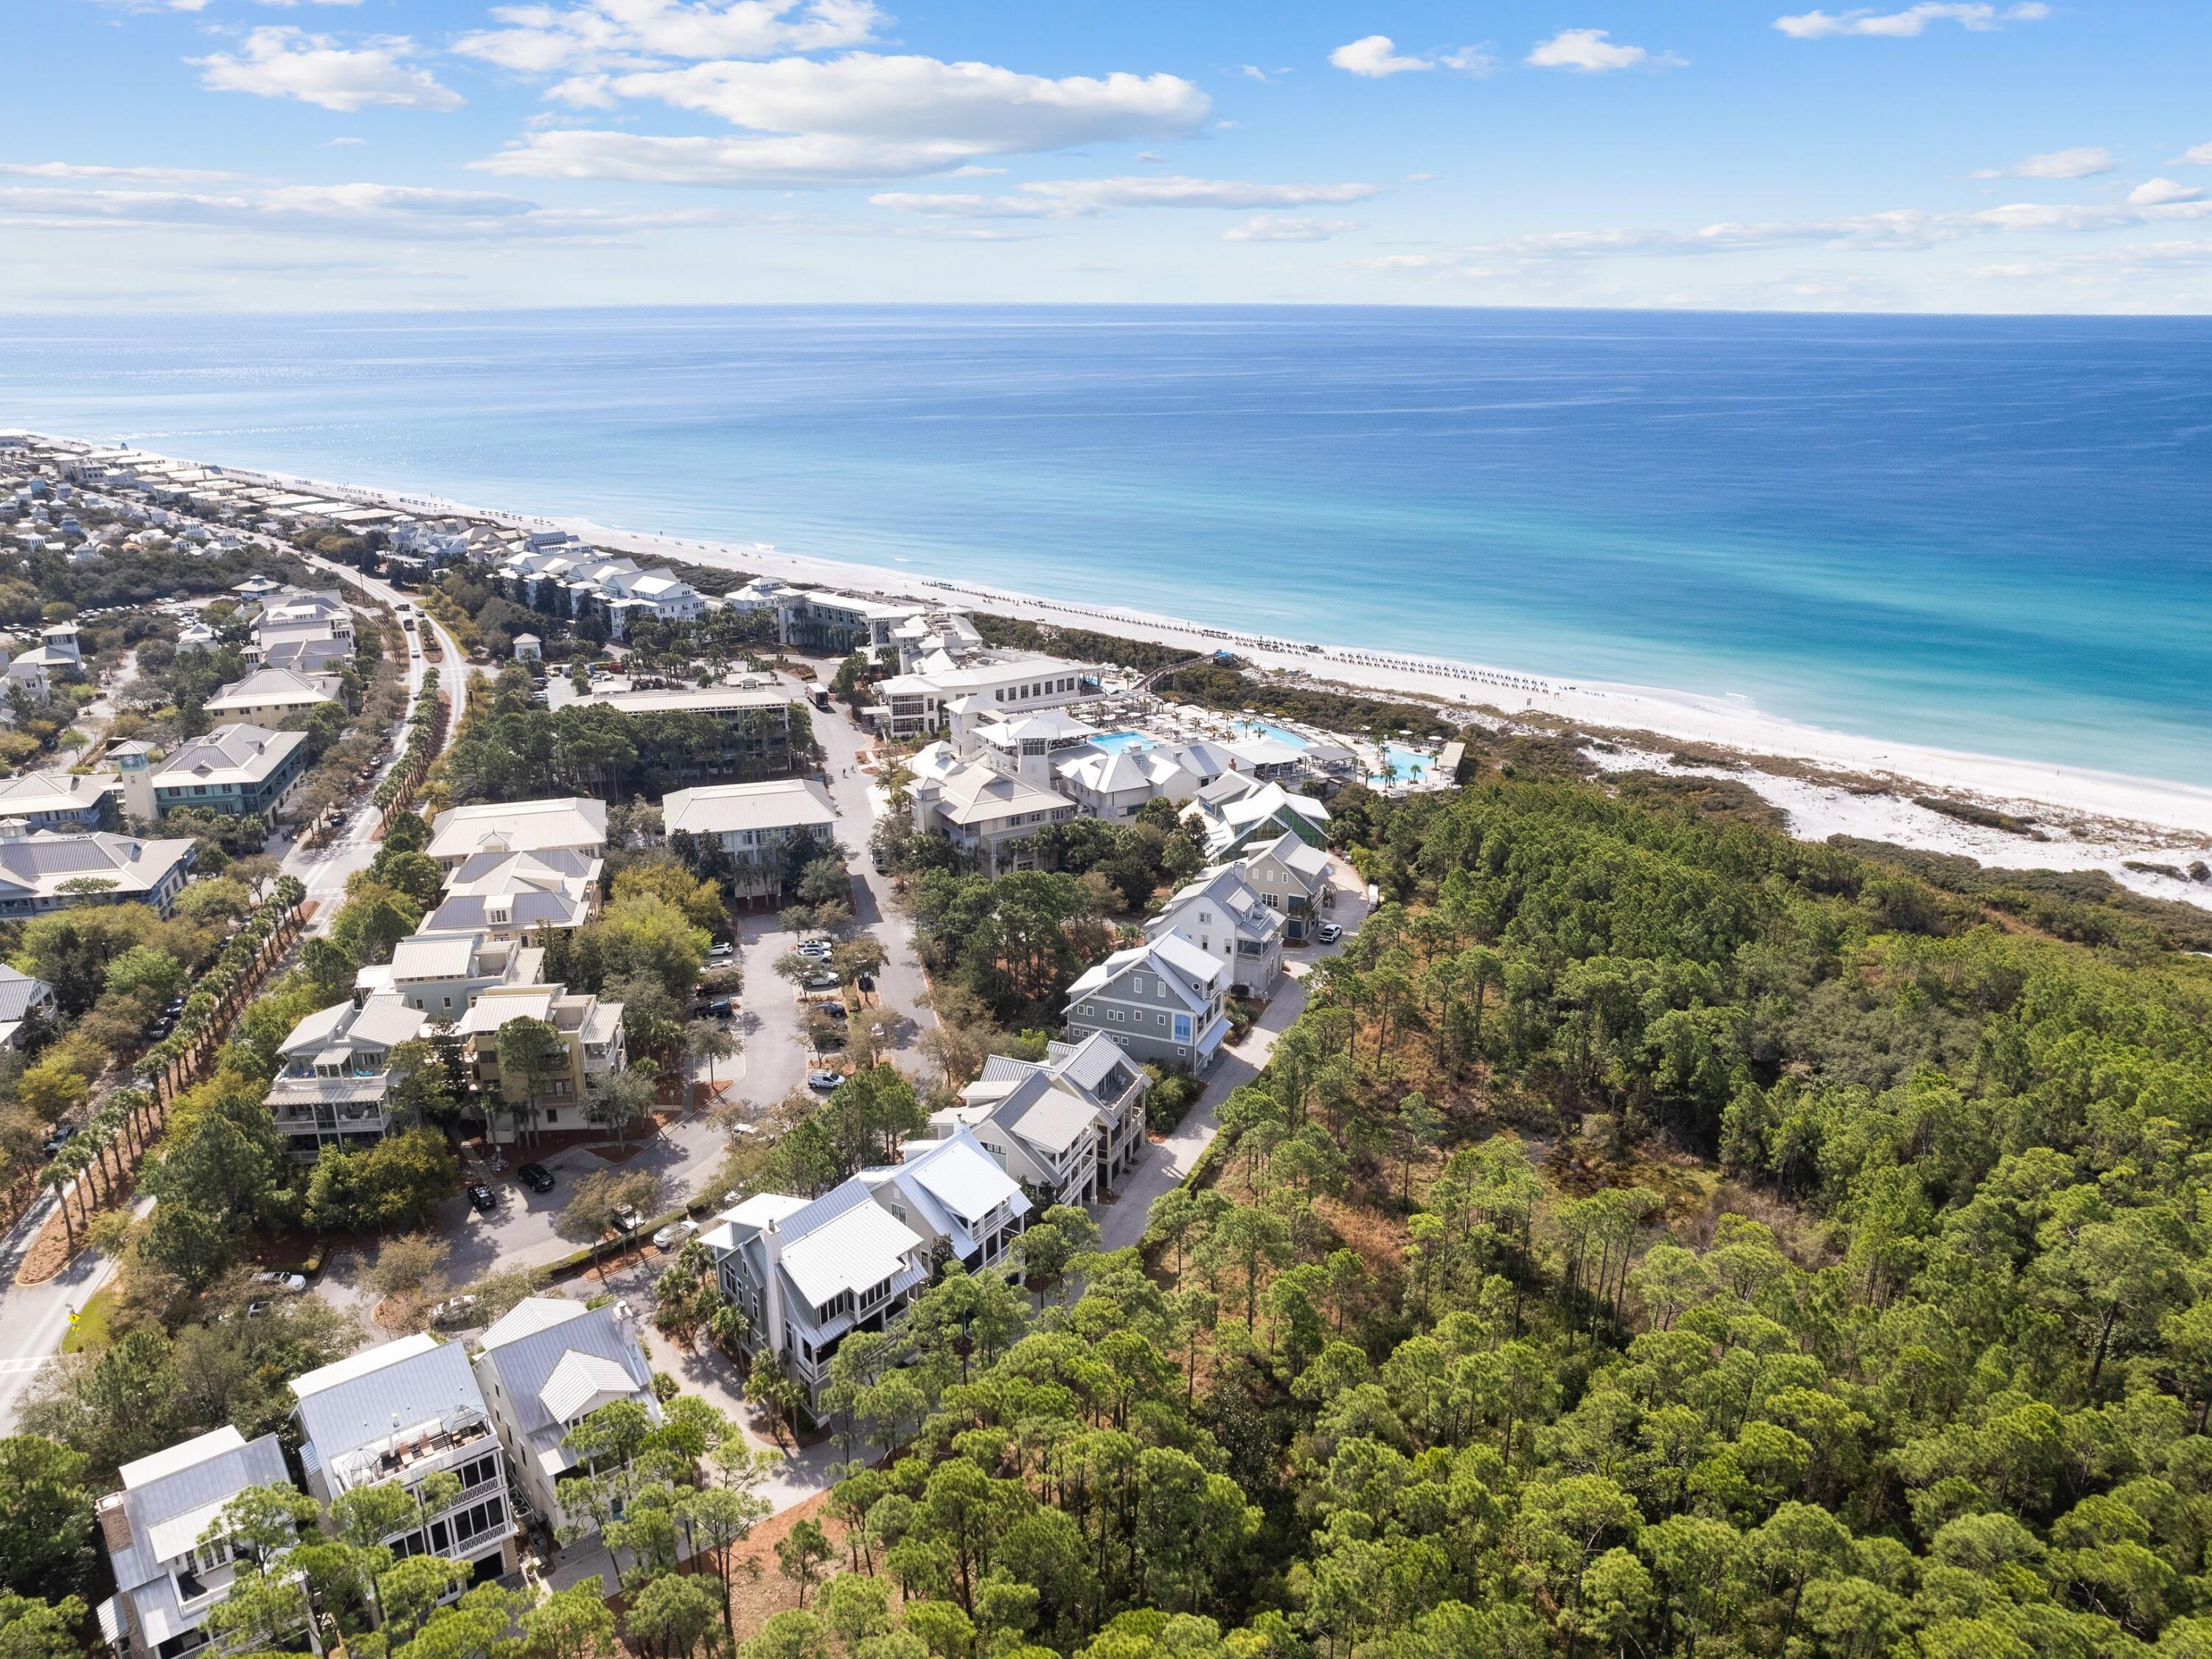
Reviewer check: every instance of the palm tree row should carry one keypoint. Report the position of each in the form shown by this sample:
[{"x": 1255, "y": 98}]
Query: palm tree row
[
  {"x": 103, "y": 1155},
  {"x": 426, "y": 732}
]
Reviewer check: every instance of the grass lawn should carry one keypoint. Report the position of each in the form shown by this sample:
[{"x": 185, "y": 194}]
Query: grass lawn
[{"x": 89, "y": 1328}]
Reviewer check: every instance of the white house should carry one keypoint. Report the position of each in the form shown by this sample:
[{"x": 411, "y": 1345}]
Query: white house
[
  {"x": 573, "y": 823},
  {"x": 334, "y": 1074},
  {"x": 402, "y": 1412},
  {"x": 1069, "y": 1128},
  {"x": 544, "y": 1368},
  {"x": 168, "y": 1580},
  {"x": 1225, "y": 916},
  {"x": 756, "y": 824}
]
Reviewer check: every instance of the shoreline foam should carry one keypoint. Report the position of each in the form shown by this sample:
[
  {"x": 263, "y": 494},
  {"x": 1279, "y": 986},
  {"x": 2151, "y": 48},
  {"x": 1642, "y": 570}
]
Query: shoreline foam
[{"x": 2103, "y": 818}]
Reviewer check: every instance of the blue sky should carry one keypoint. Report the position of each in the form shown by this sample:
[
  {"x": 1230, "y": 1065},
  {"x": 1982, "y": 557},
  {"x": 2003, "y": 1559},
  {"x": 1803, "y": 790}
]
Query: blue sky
[{"x": 1998, "y": 156}]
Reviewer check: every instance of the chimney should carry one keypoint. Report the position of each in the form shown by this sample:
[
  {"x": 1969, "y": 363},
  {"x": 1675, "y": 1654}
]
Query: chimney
[{"x": 772, "y": 1295}]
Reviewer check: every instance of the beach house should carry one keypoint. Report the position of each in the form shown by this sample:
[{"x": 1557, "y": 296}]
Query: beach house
[
  {"x": 1069, "y": 1128},
  {"x": 403, "y": 1412},
  {"x": 1291, "y": 877},
  {"x": 274, "y": 694},
  {"x": 587, "y": 1042},
  {"x": 1161, "y": 1001},
  {"x": 1237, "y": 810},
  {"x": 171, "y": 1565},
  {"x": 545, "y": 1366},
  {"x": 45, "y": 871},
  {"x": 334, "y": 1074},
  {"x": 1224, "y": 915}
]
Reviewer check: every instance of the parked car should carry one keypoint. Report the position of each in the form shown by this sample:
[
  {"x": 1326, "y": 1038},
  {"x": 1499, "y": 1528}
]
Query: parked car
[
  {"x": 719, "y": 1009},
  {"x": 671, "y": 1236},
  {"x": 276, "y": 1281},
  {"x": 481, "y": 1199},
  {"x": 823, "y": 1081},
  {"x": 722, "y": 953},
  {"x": 864, "y": 982},
  {"x": 536, "y": 1176},
  {"x": 1328, "y": 932},
  {"x": 61, "y": 1137},
  {"x": 835, "y": 1010},
  {"x": 628, "y": 1219},
  {"x": 816, "y": 949},
  {"x": 824, "y": 980}
]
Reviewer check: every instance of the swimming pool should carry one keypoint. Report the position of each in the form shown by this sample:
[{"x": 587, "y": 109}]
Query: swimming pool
[
  {"x": 1280, "y": 734},
  {"x": 1114, "y": 742},
  {"x": 1407, "y": 766}
]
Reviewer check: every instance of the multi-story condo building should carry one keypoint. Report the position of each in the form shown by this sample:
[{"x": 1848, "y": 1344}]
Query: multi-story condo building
[
  {"x": 544, "y": 1368},
  {"x": 273, "y": 694},
  {"x": 404, "y": 1411},
  {"x": 589, "y": 1032},
  {"x": 61, "y": 800},
  {"x": 1160, "y": 1001},
  {"x": 442, "y": 974},
  {"x": 754, "y": 739},
  {"x": 575, "y": 823},
  {"x": 171, "y": 1570},
  {"x": 1224, "y": 915},
  {"x": 1069, "y": 1128},
  {"x": 755, "y": 824},
  {"x": 334, "y": 1074}
]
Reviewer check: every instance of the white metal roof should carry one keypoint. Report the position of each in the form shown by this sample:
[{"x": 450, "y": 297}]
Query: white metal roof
[
  {"x": 862, "y": 1247},
  {"x": 722, "y": 808},
  {"x": 579, "y": 1380}
]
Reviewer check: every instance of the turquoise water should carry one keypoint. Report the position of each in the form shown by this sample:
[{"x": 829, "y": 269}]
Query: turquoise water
[
  {"x": 1408, "y": 766},
  {"x": 1279, "y": 733},
  {"x": 1115, "y": 742},
  {"x": 1992, "y": 534}
]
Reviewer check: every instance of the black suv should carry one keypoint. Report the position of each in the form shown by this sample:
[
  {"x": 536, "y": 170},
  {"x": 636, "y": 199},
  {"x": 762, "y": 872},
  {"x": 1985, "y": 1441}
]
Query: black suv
[{"x": 536, "y": 1176}]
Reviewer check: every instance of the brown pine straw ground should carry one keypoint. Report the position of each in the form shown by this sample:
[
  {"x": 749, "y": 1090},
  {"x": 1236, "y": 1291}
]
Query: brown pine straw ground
[{"x": 759, "y": 1590}]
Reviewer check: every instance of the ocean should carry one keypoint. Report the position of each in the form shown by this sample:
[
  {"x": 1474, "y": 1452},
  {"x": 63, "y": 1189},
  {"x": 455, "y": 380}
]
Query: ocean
[{"x": 1984, "y": 534}]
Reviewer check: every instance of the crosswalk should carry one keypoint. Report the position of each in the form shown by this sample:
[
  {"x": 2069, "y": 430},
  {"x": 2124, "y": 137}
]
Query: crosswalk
[{"x": 19, "y": 1367}]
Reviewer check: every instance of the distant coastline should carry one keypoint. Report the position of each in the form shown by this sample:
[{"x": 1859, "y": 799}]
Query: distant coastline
[{"x": 1828, "y": 781}]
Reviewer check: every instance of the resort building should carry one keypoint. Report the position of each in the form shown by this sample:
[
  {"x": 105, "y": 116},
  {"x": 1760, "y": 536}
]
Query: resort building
[
  {"x": 404, "y": 1411},
  {"x": 273, "y": 694},
  {"x": 575, "y": 823},
  {"x": 958, "y": 698},
  {"x": 590, "y": 1043},
  {"x": 50, "y": 871},
  {"x": 754, "y": 721},
  {"x": 1116, "y": 782},
  {"x": 986, "y": 815},
  {"x": 1161, "y": 1002},
  {"x": 544, "y": 1368},
  {"x": 61, "y": 800},
  {"x": 1069, "y": 1128},
  {"x": 756, "y": 824},
  {"x": 1237, "y": 810},
  {"x": 306, "y": 654},
  {"x": 503, "y": 881},
  {"x": 334, "y": 1074},
  {"x": 237, "y": 770},
  {"x": 1224, "y": 915},
  {"x": 25, "y": 1004},
  {"x": 169, "y": 1572}
]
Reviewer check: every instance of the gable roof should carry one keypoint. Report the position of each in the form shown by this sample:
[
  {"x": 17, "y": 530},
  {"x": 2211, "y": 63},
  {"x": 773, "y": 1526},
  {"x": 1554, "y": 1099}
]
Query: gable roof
[{"x": 572, "y": 823}]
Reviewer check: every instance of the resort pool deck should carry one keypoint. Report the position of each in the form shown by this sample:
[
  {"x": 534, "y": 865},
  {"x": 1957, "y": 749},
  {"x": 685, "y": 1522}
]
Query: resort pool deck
[
  {"x": 1280, "y": 734},
  {"x": 1115, "y": 743},
  {"x": 1407, "y": 766}
]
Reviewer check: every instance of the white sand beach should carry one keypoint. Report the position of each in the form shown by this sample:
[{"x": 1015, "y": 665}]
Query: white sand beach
[{"x": 2092, "y": 819}]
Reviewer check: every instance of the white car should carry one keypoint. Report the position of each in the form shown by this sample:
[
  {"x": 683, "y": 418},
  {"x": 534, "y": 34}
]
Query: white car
[
  {"x": 1328, "y": 932},
  {"x": 722, "y": 953},
  {"x": 672, "y": 1236},
  {"x": 454, "y": 1310},
  {"x": 275, "y": 1281}
]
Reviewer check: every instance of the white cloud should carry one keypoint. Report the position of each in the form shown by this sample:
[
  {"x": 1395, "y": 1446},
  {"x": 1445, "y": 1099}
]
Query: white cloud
[
  {"x": 603, "y": 34},
  {"x": 1904, "y": 230},
  {"x": 362, "y": 210},
  {"x": 1375, "y": 56},
  {"x": 2163, "y": 193},
  {"x": 1912, "y": 20},
  {"x": 288, "y": 63},
  {"x": 2083, "y": 161},
  {"x": 1286, "y": 227},
  {"x": 139, "y": 175},
  {"x": 853, "y": 118},
  {"x": 1591, "y": 51},
  {"x": 1076, "y": 199},
  {"x": 2199, "y": 156}
]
